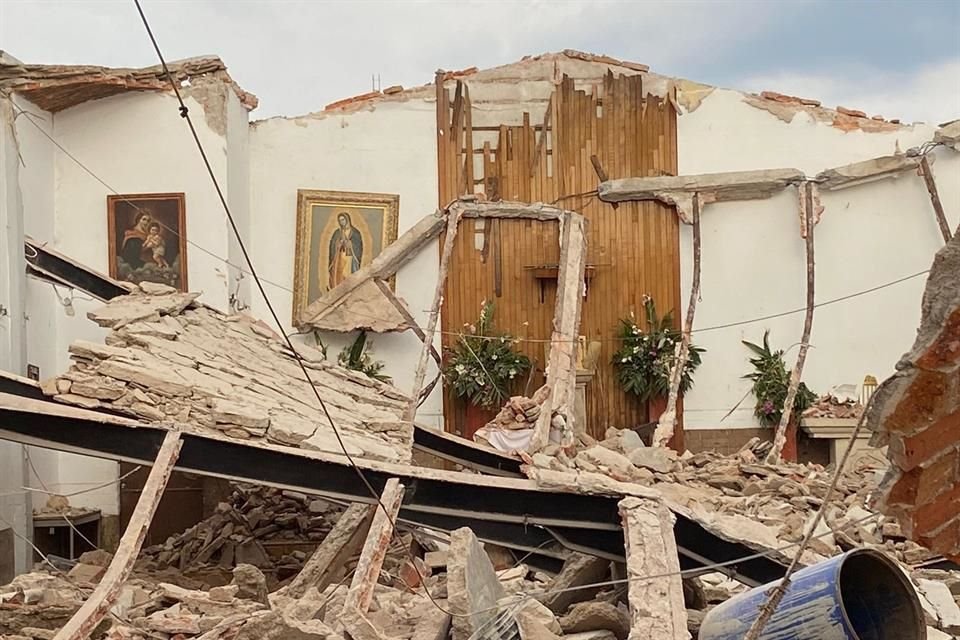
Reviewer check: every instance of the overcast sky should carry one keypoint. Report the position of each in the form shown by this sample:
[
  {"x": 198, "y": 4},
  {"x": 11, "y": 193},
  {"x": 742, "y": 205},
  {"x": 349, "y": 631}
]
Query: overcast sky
[{"x": 897, "y": 59}]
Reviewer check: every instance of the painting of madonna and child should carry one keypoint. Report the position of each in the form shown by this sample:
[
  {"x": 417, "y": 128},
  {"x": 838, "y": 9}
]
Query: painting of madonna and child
[
  {"x": 147, "y": 237},
  {"x": 338, "y": 233}
]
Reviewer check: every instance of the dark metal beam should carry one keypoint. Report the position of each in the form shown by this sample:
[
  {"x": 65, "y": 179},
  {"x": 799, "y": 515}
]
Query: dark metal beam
[
  {"x": 54, "y": 266},
  {"x": 586, "y": 522}
]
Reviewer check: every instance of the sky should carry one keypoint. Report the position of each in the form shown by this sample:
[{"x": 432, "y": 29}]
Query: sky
[{"x": 899, "y": 59}]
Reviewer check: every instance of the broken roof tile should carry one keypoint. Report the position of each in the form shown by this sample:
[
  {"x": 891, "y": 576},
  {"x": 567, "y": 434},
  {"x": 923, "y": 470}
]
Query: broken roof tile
[
  {"x": 55, "y": 87},
  {"x": 363, "y": 97}
]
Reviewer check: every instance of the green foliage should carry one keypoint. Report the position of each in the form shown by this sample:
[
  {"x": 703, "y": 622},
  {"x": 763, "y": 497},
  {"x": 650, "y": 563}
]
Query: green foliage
[
  {"x": 644, "y": 361},
  {"x": 357, "y": 356},
  {"x": 482, "y": 365},
  {"x": 771, "y": 381}
]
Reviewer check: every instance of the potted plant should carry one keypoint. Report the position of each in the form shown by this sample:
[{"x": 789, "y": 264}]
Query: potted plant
[
  {"x": 481, "y": 367},
  {"x": 646, "y": 357},
  {"x": 771, "y": 382},
  {"x": 357, "y": 357}
]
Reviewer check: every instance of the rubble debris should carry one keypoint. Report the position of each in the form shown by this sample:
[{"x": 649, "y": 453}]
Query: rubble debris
[
  {"x": 472, "y": 584},
  {"x": 596, "y": 616},
  {"x": 240, "y": 530},
  {"x": 578, "y": 570},
  {"x": 326, "y": 563},
  {"x": 830, "y": 406},
  {"x": 169, "y": 359}
]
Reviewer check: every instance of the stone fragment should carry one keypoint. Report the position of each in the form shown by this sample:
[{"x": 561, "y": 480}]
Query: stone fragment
[
  {"x": 86, "y": 573},
  {"x": 230, "y": 412},
  {"x": 251, "y": 583},
  {"x": 225, "y": 593},
  {"x": 615, "y": 464},
  {"x": 156, "y": 288},
  {"x": 657, "y": 459},
  {"x": 942, "y": 604},
  {"x": 594, "y": 616},
  {"x": 97, "y": 557},
  {"x": 579, "y": 569},
  {"x": 472, "y": 585}
]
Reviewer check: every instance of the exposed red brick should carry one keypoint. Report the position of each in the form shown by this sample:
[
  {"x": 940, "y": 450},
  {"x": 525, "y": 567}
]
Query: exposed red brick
[
  {"x": 810, "y": 102},
  {"x": 845, "y": 123},
  {"x": 851, "y": 112},
  {"x": 929, "y": 517},
  {"x": 945, "y": 351},
  {"x": 938, "y": 477},
  {"x": 363, "y": 97},
  {"x": 927, "y": 400},
  {"x": 450, "y": 75},
  {"x": 917, "y": 412},
  {"x": 878, "y": 118},
  {"x": 946, "y": 537},
  {"x": 779, "y": 97},
  {"x": 928, "y": 444},
  {"x": 389, "y": 91},
  {"x": 894, "y": 121}
]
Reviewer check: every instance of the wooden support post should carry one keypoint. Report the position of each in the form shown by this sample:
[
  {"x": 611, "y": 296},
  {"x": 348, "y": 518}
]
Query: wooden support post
[
  {"x": 562, "y": 362},
  {"x": 86, "y": 619},
  {"x": 374, "y": 549},
  {"x": 780, "y": 438},
  {"x": 928, "y": 179},
  {"x": 655, "y": 592},
  {"x": 668, "y": 420},
  {"x": 453, "y": 222},
  {"x": 402, "y": 310},
  {"x": 340, "y": 544}
]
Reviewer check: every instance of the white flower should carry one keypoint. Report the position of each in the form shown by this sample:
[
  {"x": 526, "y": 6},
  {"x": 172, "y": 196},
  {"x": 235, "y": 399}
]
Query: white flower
[
  {"x": 624, "y": 360},
  {"x": 493, "y": 357}
]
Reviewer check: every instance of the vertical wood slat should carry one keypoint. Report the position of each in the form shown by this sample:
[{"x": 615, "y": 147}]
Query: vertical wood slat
[{"x": 635, "y": 248}]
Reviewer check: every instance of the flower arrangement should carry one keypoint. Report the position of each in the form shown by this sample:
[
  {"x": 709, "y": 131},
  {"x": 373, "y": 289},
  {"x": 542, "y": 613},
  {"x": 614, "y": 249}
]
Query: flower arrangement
[
  {"x": 645, "y": 359},
  {"x": 483, "y": 365},
  {"x": 771, "y": 381},
  {"x": 357, "y": 357}
]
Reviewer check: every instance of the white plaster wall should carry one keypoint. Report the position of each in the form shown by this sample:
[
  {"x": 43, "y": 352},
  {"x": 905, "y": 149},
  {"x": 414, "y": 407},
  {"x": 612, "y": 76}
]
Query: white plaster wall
[
  {"x": 389, "y": 149},
  {"x": 753, "y": 257},
  {"x": 136, "y": 143},
  {"x": 238, "y": 197}
]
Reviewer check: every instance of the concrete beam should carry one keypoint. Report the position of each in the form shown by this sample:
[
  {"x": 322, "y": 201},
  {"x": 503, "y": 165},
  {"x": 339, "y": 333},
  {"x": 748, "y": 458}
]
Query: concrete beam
[
  {"x": 713, "y": 187},
  {"x": 866, "y": 171}
]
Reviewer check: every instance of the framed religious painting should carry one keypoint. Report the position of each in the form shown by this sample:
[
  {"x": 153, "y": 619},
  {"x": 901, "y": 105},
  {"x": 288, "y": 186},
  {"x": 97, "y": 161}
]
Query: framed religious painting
[
  {"x": 338, "y": 233},
  {"x": 147, "y": 238}
]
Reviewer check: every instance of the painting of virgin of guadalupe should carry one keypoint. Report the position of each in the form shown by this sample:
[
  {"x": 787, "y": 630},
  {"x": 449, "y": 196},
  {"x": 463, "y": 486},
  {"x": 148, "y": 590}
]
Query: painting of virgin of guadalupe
[{"x": 338, "y": 233}]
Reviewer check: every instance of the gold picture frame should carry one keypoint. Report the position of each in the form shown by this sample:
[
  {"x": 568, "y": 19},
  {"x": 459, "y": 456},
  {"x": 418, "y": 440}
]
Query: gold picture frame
[{"x": 338, "y": 233}]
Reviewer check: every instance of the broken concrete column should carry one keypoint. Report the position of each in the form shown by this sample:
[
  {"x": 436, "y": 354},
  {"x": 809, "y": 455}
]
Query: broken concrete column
[
  {"x": 578, "y": 570},
  {"x": 472, "y": 584},
  {"x": 917, "y": 412},
  {"x": 375, "y": 548},
  {"x": 655, "y": 591},
  {"x": 341, "y": 543}
]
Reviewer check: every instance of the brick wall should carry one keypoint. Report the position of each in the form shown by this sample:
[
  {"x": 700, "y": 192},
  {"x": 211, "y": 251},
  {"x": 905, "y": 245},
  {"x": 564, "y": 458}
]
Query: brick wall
[{"x": 917, "y": 412}]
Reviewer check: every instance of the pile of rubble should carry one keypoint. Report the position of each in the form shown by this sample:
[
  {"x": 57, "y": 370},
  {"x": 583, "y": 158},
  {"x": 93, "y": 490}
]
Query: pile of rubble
[
  {"x": 239, "y": 529},
  {"x": 170, "y": 359},
  {"x": 831, "y": 406}
]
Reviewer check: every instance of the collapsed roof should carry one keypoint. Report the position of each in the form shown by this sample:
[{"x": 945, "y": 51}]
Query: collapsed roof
[
  {"x": 55, "y": 87},
  {"x": 169, "y": 359}
]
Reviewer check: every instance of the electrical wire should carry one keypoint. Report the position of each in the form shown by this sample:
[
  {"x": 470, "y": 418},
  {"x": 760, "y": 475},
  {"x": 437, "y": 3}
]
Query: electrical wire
[
  {"x": 459, "y": 334},
  {"x": 185, "y": 114}
]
